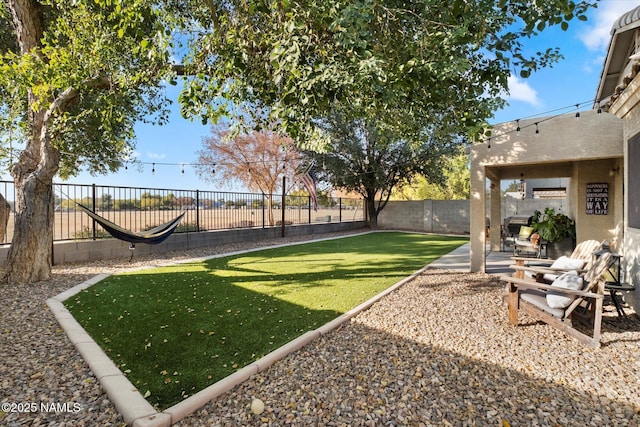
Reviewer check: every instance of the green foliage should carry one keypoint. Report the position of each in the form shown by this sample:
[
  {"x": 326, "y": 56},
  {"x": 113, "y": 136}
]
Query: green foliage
[
  {"x": 225, "y": 313},
  {"x": 432, "y": 61},
  {"x": 456, "y": 185},
  {"x": 110, "y": 56},
  {"x": 553, "y": 226},
  {"x": 372, "y": 159}
]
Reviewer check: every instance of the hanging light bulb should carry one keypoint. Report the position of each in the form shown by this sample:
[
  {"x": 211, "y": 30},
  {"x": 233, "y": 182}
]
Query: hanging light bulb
[
  {"x": 599, "y": 107},
  {"x": 577, "y": 111},
  {"x": 182, "y": 169},
  {"x": 518, "y": 127},
  {"x": 153, "y": 169},
  {"x": 489, "y": 144},
  {"x": 537, "y": 130}
]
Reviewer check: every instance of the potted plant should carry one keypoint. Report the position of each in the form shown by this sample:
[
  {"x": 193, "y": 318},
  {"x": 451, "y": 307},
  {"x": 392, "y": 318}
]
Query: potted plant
[{"x": 557, "y": 229}]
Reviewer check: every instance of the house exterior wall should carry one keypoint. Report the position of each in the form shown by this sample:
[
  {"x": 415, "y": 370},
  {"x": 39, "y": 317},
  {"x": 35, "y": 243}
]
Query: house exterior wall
[
  {"x": 598, "y": 227},
  {"x": 627, "y": 106},
  {"x": 583, "y": 150}
]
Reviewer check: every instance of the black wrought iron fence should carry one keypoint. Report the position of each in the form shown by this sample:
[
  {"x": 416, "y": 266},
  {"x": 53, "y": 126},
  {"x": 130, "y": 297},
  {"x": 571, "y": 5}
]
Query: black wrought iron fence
[{"x": 139, "y": 209}]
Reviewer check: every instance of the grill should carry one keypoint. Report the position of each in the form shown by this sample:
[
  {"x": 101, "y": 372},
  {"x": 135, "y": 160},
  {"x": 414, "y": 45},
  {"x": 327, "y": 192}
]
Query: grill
[{"x": 513, "y": 223}]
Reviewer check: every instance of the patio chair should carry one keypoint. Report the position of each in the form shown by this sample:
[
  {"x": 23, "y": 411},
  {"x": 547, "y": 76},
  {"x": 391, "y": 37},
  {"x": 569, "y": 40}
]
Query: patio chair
[
  {"x": 527, "y": 241},
  {"x": 556, "y": 303},
  {"x": 548, "y": 270}
]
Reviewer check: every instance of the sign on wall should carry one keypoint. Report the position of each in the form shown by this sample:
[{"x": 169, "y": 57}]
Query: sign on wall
[{"x": 597, "y": 198}]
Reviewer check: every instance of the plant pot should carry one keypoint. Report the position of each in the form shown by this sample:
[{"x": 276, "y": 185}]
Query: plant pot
[{"x": 560, "y": 247}]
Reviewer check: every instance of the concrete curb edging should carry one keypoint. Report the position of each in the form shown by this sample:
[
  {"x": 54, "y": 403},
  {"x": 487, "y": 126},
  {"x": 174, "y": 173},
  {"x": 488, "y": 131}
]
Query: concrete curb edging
[{"x": 130, "y": 403}]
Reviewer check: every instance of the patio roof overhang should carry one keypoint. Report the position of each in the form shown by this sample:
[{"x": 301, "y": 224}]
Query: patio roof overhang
[{"x": 584, "y": 150}]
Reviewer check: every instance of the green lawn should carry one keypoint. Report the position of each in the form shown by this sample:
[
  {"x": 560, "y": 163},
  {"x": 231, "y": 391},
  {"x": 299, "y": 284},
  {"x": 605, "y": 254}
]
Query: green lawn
[{"x": 175, "y": 330}]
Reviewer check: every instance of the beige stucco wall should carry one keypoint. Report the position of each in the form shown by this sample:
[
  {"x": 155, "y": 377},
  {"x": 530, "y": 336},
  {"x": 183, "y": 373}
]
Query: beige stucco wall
[
  {"x": 584, "y": 149},
  {"x": 598, "y": 227},
  {"x": 627, "y": 107}
]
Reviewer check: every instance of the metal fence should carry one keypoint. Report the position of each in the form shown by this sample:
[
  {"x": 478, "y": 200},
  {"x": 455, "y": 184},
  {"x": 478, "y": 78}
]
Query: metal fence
[{"x": 139, "y": 209}]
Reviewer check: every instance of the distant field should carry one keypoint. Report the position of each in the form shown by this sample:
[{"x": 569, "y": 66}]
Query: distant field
[{"x": 76, "y": 224}]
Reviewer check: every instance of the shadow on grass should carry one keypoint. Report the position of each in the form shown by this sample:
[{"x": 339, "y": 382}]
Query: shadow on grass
[
  {"x": 176, "y": 330},
  {"x": 191, "y": 337}
]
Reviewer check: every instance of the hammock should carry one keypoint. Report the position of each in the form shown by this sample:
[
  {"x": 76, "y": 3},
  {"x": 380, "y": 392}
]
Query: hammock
[{"x": 150, "y": 237}]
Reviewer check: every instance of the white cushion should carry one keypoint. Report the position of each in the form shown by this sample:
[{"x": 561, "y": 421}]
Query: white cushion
[
  {"x": 568, "y": 280},
  {"x": 564, "y": 263}
]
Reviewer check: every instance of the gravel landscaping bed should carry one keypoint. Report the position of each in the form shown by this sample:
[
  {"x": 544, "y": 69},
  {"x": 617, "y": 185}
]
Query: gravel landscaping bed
[{"x": 437, "y": 351}]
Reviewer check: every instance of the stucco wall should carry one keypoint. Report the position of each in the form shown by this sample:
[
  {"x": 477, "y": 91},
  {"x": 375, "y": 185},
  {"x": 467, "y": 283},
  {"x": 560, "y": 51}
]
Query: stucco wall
[
  {"x": 453, "y": 216},
  {"x": 631, "y": 243},
  {"x": 598, "y": 227},
  {"x": 431, "y": 216}
]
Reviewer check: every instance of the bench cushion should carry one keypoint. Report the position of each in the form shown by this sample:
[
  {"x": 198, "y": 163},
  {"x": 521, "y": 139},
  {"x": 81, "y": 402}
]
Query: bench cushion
[
  {"x": 538, "y": 298},
  {"x": 569, "y": 280}
]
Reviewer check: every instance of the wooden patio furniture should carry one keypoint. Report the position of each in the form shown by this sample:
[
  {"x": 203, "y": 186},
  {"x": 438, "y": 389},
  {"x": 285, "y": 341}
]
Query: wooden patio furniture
[{"x": 557, "y": 303}]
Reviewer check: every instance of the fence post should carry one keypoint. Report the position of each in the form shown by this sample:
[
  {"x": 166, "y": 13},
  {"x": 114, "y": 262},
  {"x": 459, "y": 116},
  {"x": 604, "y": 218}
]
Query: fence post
[
  {"x": 309, "y": 209},
  {"x": 264, "y": 199},
  {"x": 197, "y": 210},
  {"x": 93, "y": 208},
  {"x": 284, "y": 189},
  {"x": 340, "y": 208}
]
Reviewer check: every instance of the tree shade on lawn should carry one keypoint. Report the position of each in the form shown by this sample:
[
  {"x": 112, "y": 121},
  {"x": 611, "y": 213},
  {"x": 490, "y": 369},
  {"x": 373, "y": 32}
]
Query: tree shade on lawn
[{"x": 175, "y": 330}]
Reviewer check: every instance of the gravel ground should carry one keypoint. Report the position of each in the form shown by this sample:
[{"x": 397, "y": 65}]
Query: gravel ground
[{"x": 437, "y": 352}]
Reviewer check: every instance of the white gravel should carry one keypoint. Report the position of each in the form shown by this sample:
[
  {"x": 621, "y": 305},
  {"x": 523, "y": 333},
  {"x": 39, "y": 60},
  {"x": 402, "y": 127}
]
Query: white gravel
[{"x": 437, "y": 352}]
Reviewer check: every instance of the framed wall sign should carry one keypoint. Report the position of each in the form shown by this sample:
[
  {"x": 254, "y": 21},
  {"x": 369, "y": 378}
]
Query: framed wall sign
[{"x": 597, "y": 198}]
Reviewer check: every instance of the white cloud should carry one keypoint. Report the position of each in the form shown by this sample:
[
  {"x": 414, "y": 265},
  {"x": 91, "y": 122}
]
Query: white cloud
[
  {"x": 597, "y": 35},
  {"x": 519, "y": 90},
  {"x": 155, "y": 156}
]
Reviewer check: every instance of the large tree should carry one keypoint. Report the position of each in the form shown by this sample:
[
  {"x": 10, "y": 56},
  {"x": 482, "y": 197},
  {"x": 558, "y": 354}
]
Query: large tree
[
  {"x": 257, "y": 159},
  {"x": 74, "y": 78},
  {"x": 76, "y": 75},
  {"x": 433, "y": 60},
  {"x": 372, "y": 159}
]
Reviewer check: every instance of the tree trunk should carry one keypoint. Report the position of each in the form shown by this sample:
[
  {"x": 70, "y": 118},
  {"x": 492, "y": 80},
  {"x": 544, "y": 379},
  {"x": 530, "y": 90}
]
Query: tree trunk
[
  {"x": 5, "y": 212},
  {"x": 372, "y": 213},
  {"x": 30, "y": 256}
]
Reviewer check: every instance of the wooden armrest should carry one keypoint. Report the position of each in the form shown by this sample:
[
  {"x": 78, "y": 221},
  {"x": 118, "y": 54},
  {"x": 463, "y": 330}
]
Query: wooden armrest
[
  {"x": 545, "y": 270},
  {"x": 536, "y": 260},
  {"x": 530, "y": 284}
]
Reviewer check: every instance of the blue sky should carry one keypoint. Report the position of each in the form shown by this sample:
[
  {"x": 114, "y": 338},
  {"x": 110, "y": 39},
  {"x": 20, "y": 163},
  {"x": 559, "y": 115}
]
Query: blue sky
[{"x": 557, "y": 89}]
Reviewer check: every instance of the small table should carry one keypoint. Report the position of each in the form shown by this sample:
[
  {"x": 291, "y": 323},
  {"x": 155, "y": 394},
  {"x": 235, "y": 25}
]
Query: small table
[{"x": 614, "y": 288}]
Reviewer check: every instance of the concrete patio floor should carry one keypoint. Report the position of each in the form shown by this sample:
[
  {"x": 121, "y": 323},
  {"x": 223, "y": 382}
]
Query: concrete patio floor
[{"x": 496, "y": 262}]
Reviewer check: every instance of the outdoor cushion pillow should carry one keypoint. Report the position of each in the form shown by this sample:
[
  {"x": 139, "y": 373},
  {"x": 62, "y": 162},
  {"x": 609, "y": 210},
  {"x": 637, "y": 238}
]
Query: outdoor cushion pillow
[
  {"x": 525, "y": 232},
  {"x": 568, "y": 280},
  {"x": 564, "y": 263}
]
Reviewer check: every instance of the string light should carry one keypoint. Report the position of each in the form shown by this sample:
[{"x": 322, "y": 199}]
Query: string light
[
  {"x": 153, "y": 169},
  {"x": 546, "y": 116},
  {"x": 489, "y": 145}
]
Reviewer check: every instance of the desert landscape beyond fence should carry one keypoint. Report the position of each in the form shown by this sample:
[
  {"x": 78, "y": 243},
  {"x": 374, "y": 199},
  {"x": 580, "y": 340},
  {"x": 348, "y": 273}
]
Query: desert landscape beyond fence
[{"x": 139, "y": 209}]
